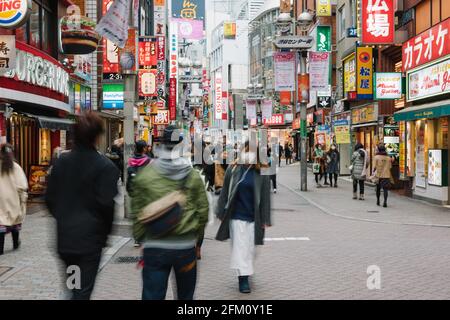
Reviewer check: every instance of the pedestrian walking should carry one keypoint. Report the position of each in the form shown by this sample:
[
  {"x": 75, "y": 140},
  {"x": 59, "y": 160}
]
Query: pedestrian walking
[
  {"x": 382, "y": 174},
  {"x": 273, "y": 170},
  {"x": 319, "y": 164},
  {"x": 80, "y": 196},
  {"x": 333, "y": 161},
  {"x": 280, "y": 153},
  {"x": 170, "y": 210},
  {"x": 358, "y": 168},
  {"x": 287, "y": 153},
  {"x": 245, "y": 212},
  {"x": 13, "y": 197},
  {"x": 116, "y": 156}
]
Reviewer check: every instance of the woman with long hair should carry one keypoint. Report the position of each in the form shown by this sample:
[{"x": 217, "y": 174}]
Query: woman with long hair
[
  {"x": 13, "y": 197},
  {"x": 383, "y": 175},
  {"x": 245, "y": 212},
  {"x": 319, "y": 163},
  {"x": 333, "y": 158}
]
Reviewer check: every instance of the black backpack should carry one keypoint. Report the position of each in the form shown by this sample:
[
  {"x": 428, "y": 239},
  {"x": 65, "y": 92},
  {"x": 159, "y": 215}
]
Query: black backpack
[{"x": 131, "y": 173}]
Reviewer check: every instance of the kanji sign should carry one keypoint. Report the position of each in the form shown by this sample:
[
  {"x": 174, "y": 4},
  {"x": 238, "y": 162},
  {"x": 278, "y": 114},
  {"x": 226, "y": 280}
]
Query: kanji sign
[
  {"x": 427, "y": 46},
  {"x": 173, "y": 98},
  {"x": 147, "y": 83},
  {"x": 364, "y": 72},
  {"x": 275, "y": 120},
  {"x": 7, "y": 52},
  {"x": 162, "y": 117},
  {"x": 148, "y": 52},
  {"x": 377, "y": 21}
]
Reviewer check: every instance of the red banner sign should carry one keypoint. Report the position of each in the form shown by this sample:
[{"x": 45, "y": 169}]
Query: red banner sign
[
  {"x": 148, "y": 56},
  {"x": 427, "y": 46},
  {"x": 378, "y": 25},
  {"x": 173, "y": 98},
  {"x": 276, "y": 120}
]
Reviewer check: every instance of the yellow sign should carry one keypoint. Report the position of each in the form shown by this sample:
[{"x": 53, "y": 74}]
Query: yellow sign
[
  {"x": 364, "y": 115},
  {"x": 364, "y": 72},
  {"x": 342, "y": 134},
  {"x": 323, "y": 8},
  {"x": 350, "y": 74},
  {"x": 229, "y": 30}
]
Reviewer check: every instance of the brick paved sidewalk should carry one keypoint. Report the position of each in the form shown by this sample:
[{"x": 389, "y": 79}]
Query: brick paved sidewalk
[{"x": 338, "y": 202}]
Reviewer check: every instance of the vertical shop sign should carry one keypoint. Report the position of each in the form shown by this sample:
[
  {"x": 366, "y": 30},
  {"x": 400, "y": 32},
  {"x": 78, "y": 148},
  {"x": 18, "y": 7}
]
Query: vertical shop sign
[
  {"x": 218, "y": 96},
  {"x": 284, "y": 71},
  {"x": 173, "y": 98},
  {"x": 7, "y": 53},
  {"x": 377, "y": 21},
  {"x": 364, "y": 73}
]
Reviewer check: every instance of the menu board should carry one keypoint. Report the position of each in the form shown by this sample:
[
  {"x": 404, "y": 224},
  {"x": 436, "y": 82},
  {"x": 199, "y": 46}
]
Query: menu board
[
  {"x": 37, "y": 179},
  {"x": 437, "y": 167}
]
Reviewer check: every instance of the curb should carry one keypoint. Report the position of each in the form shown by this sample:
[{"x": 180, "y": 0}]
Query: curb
[{"x": 328, "y": 212}]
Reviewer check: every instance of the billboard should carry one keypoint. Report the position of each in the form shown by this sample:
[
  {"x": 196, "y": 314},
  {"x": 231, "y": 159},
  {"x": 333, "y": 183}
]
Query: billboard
[
  {"x": 113, "y": 96},
  {"x": 377, "y": 21},
  {"x": 188, "y": 9},
  {"x": 364, "y": 74}
]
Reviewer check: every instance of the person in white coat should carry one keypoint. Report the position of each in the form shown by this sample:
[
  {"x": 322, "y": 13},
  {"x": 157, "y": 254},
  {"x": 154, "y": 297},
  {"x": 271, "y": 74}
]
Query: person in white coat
[{"x": 13, "y": 197}]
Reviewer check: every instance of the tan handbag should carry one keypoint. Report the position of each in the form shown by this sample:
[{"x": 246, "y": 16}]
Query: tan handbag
[{"x": 160, "y": 207}]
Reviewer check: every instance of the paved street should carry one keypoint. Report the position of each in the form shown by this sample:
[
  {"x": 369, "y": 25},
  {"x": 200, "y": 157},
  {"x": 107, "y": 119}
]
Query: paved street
[{"x": 311, "y": 252}]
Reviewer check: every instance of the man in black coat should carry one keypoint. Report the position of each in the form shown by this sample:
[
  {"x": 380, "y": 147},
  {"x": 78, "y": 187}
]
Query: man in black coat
[{"x": 80, "y": 195}]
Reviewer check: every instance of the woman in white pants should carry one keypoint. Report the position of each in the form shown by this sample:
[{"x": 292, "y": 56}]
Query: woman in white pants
[{"x": 244, "y": 209}]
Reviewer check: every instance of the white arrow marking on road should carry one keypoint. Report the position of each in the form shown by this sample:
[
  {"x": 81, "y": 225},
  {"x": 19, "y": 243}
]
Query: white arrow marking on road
[{"x": 288, "y": 239}]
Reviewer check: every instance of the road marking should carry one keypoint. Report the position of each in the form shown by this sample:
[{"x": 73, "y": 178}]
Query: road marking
[{"x": 288, "y": 239}]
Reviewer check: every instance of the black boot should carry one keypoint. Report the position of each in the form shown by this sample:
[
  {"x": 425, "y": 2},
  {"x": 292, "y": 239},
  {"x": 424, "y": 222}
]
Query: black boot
[
  {"x": 2, "y": 243},
  {"x": 385, "y": 205},
  {"x": 244, "y": 286},
  {"x": 378, "y": 201},
  {"x": 16, "y": 241}
]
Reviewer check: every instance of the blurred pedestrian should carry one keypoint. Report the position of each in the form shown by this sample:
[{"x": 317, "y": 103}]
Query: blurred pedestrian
[
  {"x": 80, "y": 196},
  {"x": 170, "y": 211},
  {"x": 318, "y": 164},
  {"x": 358, "y": 168},
  {"x": 116, "y": 156},
  {"x": 245, "y": 212},
  {"x": 280, "y": 153},
  {"x": 273, "y": 176},
  {"x": 287, "y": 153},
  {"x": 333, "y": 160},
  {"x": 383, "y": 174},
  {"x": 149, "y": 152},
  {"x": 13, "y": 197}
]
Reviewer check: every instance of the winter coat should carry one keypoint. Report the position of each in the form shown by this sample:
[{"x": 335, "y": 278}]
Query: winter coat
[
  {"x": 382, "y": 166},
  {"x": 333, "y": 165},
  {"x": 80, "y": 195},
  {"x": 360, "y": 164},
  {"x": 227, "y": 200},
  {"x": 151, "y": 184},
  {"x": 135, "y": 164},
  {"x": 13, "y": 196}
]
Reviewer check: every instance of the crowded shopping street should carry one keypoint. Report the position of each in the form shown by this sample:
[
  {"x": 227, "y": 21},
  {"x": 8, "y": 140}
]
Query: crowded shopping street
[{"x": 205, "y": 151}]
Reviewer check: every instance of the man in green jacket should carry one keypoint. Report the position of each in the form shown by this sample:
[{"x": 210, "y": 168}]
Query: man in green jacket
[{"x": 170, "y": 172}]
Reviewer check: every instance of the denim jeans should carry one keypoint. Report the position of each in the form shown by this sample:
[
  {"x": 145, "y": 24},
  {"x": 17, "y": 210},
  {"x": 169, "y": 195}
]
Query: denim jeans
[{"x": 158, "y": 264}]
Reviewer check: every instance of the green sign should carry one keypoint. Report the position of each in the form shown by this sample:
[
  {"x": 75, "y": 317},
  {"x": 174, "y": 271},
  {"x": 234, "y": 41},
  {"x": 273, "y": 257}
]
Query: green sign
[
  {"x": 323, "y": 38},
  {"x": 436, "y": 112}
]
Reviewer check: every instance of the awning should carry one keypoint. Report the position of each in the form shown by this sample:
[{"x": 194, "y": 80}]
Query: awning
[
  {"x": 54, "y": 123},
  {"x": 428, "y": 110},
  {"x": 367, "y": 124}
]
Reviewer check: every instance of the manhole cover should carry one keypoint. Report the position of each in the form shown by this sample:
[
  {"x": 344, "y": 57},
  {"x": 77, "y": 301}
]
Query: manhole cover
[
  {"x": 373, "y": 211},
  {"x": 4, "y": 270},
  {"x": 127, "y": 259}
]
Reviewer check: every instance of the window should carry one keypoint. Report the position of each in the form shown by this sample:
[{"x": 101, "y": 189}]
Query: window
[
  {"x": 342, "y": 21},
  {"x": 352, "y": 13},
  {"x": 37, "y": 32}
]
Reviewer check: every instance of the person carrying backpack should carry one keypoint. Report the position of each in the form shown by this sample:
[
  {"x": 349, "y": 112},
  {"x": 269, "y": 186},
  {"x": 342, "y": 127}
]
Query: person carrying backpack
[{"x": 170, "y": 210}]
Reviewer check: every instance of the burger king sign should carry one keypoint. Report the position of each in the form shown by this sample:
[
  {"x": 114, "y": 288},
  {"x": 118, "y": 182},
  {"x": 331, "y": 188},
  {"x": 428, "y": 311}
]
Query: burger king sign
[{"x": 14, "y": 13}]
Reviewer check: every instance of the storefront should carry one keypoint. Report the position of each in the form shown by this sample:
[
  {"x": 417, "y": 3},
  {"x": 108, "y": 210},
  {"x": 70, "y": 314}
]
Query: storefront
[
  {"x": 365, "y": 128},
  {"x": 424, "y": 149},
  {"x": 35, "y": 99}
]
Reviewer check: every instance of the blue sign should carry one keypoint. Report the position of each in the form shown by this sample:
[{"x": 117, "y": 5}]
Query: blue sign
[
  {"x": 188, "y": 9},
  {"x": 352, "y": 32}
]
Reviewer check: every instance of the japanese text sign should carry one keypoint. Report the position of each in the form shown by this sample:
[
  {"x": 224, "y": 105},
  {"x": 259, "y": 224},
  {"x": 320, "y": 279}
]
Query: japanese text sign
[
  {"x": 364, "y": 72},
  {"x": 173, "y": 98},
  {"x": 147, "y": 83},
  {"x": 319, "y": 63},
  {"x": 350, "y": 74},
  {"x": 162, "y": 117},
  {"x": 284, "y": 71},
  {"x": 7, "y": 52},
  {"x": 275, "y": 120},
  {"x": 427, "y": 46},
  {"x": 148, "y": 49},
  {"x": 377, "y": 21},
  {"x": 323, "y": 8}
]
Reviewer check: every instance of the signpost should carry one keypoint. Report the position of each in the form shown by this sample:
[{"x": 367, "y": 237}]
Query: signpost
[{"x": 294, "y": 42}]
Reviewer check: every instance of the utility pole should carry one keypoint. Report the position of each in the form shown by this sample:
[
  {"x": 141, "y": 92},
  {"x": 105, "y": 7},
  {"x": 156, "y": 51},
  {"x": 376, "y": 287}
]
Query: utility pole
[{"x": 129, "y": 78}]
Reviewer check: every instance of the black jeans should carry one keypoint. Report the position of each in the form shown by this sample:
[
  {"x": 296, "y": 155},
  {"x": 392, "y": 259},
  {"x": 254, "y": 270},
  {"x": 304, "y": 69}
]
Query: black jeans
[
  {"x": 361, "y": 186},
  {"x": 158, "y": 264},
  {"x": 273, "y": 177},
  {"x": 330, "y": 175},
  {"x": 318, "y": 177},
  {"x": 88, "y": 265},
  {"x": 15, "y": 236},
  {"x": 383, "y": 184}
]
